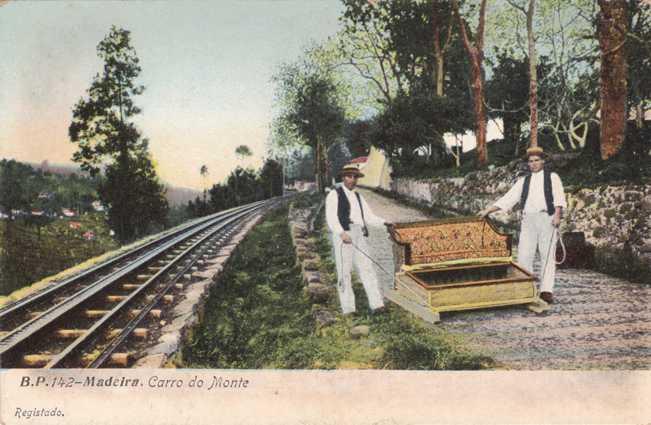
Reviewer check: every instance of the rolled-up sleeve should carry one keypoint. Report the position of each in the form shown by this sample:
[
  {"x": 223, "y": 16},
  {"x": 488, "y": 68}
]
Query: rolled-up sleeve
[
  {"x": 558, "y": 192},
  {"x": 332, "y": 218},
  {"x": 512, "y": 197}
]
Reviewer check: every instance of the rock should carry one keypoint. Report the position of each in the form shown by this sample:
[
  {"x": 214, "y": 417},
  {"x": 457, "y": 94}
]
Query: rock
[
  {"x": 646, "y": 204},
  {"x": 318, "y": 292},
  {"x": 310, "y": 265},
  {"x": 324, "y": 317},
  {"x": 312, "y": 277},
  {"x": 359, "y": 331},
  {"x": 646, "y": 248}
]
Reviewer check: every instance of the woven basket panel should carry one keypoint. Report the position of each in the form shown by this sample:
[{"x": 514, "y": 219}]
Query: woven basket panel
[{"x": 434, "y": 242}]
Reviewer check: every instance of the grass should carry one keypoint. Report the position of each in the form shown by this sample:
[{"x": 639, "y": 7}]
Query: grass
[{"x": 259, "y": 317}]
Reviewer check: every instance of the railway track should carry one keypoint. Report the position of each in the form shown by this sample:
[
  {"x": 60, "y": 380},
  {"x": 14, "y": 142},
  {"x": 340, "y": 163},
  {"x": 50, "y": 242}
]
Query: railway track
[{"x": 99, "y": 317}]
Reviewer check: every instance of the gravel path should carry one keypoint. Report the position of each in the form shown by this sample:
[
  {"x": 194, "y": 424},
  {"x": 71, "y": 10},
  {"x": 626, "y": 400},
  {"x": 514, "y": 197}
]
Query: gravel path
[{"x": 596, "y": 322}]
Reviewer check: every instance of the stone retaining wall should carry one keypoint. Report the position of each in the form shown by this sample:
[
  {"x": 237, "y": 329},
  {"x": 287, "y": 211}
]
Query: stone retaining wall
[
  {"x": 301, "y": 222},
  {"x": 612, "y": 216}
]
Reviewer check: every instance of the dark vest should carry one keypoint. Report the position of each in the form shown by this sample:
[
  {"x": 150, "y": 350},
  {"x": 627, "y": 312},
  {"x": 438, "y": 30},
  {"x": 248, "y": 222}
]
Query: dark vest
[
  {"x": 343, "y": 210},
  {"x": 547, "y": 188}
]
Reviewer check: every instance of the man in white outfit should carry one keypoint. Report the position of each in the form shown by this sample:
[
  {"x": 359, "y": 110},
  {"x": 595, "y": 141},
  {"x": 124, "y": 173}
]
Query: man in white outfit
[
  {"x": 348, "y": 215},
  {"x": 542, "y": 199}
]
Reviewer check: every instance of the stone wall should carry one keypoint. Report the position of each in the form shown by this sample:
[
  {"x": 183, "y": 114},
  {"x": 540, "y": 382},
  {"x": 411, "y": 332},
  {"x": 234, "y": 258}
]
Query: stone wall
[{"x": 613, "y": 216}]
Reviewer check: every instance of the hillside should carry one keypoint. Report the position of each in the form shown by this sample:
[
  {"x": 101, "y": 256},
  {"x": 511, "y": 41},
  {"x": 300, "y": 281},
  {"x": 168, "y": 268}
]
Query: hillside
[{"x": 175, "y": 195}]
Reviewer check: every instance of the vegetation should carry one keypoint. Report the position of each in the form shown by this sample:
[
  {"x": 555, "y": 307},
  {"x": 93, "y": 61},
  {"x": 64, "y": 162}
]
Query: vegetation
[
  {"x": 258, "y": 317},
  {"x": 29, "y": 253},
  {"x": 569, "y": 76},
  {"x": 242, "y": 186},
  {"x": 107, "y": 139}
]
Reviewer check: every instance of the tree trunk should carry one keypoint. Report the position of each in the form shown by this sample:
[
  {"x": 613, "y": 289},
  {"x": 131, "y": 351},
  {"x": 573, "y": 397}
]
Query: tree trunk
[
  {"x": 476, "y": 55},
  {"x": 612, "y": 29},
  {"x": 439, "y": 74},
  {"x": 477, "y": 86},
  {"x": 533, "y": 76}
]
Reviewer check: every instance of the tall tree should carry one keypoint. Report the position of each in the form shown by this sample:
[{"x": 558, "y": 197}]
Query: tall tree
[
  {"x": 475, "y": 50},
  {"x": 312, "y": 108},
  {"x": 16, "y": 189},
  {"x": 533, "y": 75},
  {"x": 203, "y": 171},
  {"x": 243, "y": 151},
  {"x": 612, "y": 29},
  {"x": 107, "y": 139}
]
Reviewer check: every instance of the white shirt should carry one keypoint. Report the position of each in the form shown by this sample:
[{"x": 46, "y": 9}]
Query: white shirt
[
  {"x": 536, "y": 197},
  {"x": 332, "y": 203}
]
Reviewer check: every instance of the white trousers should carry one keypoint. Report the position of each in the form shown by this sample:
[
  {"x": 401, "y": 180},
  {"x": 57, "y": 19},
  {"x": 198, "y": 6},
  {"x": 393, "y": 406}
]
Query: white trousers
[
  {"x": 346, "y": 256},
  {"x": 536, "y": 233}
]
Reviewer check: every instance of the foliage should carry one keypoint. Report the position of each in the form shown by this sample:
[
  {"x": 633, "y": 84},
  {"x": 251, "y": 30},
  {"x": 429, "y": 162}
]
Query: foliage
[
  {"x": 413, "y": 126},
  {"x": 243, "y": 151},
  {"x": 17, "y": 188},
  {"x": 102, "y": 128},
  {"x": 311, "y": 107},
  {"x": 242, "y": 186},
  {"x": 30, "y": 254}
]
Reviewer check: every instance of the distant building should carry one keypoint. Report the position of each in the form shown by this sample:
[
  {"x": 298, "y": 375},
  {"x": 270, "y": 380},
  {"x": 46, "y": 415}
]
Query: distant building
[
  {"x": 67, "y": 212},
  {"x": 303, "y": 186},
  {"x": 46, "y": 195},
  {"x": 97, "y": 206},
  {"x": 360, "y": 161}
]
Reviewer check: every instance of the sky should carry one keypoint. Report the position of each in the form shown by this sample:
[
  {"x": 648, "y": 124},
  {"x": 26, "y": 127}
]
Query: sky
[{"x": 206, "y": 66}]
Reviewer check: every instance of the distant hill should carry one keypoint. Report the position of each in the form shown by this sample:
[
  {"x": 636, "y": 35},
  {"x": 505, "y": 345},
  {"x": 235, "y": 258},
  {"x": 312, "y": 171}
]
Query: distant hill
[
  {"x": 62, "y": 169},
  {"x": 181, "y": 195},
  {"x": 175, "y": 195}
]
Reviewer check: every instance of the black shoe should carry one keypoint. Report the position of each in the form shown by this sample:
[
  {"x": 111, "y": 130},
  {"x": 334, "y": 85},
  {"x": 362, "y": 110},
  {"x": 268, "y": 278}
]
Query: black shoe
[
  {"x": 380, "y": 310},
  {"x": 547, "y": 297}
]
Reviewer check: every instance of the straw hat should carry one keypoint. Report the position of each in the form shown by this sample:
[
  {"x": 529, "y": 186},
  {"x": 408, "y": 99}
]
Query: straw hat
[
  {"x": 535, "y": 151},
  {"x": 350, "y": 170}
]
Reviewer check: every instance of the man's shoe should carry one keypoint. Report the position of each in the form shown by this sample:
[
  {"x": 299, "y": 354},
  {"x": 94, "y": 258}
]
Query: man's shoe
[
  {"x": 547, "y": 297},
  {"x": 379, "y": 310}
]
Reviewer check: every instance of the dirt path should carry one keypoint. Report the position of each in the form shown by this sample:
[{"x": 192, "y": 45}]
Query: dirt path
[{"x": 597, "y": 321}]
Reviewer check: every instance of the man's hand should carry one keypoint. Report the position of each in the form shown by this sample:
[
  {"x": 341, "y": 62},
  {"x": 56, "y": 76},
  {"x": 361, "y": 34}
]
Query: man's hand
[
  {"x": 556, "y": 220},
  {"x": 486, "y": 211},
  {"x": 345, "y": 238}
]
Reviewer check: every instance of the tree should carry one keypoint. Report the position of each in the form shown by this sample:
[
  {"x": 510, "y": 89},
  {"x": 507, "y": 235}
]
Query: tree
[
  {"x": 271, "y": 178},
  {"x": 17, "y": 191},
  {"x": 612, "y": 30},
  {"x": 243, "y": 151},
  {"x": 203, "y": 171},
  {"x": 311, "y": 108},
  {"x": 475, "y": 50},
  {"x": 506, "y": 95},
  {"x": 107, "y": 139},
  {"x": 533, "y": 76}
]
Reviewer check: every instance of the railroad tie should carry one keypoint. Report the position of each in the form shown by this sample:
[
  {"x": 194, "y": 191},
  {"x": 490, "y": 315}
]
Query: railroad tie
[
  {"x": 176, "y": 286},
  {"x": 131, "y": 286},
  {"x": 140, "y": 333},
  {"x": 143, "y": 277},
  {"x": 167, "y": 299},
  {"x": 36, "y": 360},
  {"x": 115, "y": 298},
  {"x": 69, "y": 333},
  {"x": 119, "y": 359},
  {"x": 94, "y": 314},
  {"x": 34, "y": 314},
  {"x": 154, "y": 313}
]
